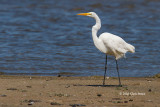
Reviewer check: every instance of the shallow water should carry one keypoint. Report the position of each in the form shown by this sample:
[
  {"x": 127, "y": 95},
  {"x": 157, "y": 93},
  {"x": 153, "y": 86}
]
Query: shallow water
[{"x": 46, "y": 37}]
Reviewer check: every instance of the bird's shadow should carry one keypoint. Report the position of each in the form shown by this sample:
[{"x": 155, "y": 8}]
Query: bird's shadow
[{"x": 104, "y": 85}]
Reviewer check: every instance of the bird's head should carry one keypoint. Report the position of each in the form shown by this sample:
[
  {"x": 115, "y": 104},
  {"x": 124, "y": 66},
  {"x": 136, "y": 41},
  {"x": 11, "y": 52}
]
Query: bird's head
[{"x": 90, "y": 14}]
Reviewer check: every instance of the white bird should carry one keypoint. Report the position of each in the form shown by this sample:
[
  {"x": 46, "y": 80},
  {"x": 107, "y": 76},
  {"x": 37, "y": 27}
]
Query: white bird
[{"x": 108, "y": 43}]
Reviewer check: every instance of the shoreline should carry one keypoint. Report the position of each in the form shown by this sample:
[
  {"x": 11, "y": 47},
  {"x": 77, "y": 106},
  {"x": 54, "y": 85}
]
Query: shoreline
[
  {"x": 48, "y": 91},
  {"x": 63, "y": 74}
]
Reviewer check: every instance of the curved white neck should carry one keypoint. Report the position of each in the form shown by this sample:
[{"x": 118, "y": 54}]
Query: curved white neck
[{"x": 95, "y": 29}]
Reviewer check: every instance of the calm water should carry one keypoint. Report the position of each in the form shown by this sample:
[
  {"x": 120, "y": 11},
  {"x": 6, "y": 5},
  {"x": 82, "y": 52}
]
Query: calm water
[{"x": 46, "y": 37}]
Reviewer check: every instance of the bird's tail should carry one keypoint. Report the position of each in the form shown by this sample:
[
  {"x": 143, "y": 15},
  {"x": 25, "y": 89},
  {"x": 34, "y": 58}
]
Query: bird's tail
[{"x": 131, "y": 48}]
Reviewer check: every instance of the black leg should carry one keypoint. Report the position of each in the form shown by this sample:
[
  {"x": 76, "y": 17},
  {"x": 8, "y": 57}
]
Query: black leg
[
  {"x": 105, "y": 71},
  {"x": 118, "y": 74}
]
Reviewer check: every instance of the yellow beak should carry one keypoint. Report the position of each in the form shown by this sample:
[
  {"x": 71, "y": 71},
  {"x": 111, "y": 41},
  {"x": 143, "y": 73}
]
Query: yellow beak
[{"x": 84, "y": 14}]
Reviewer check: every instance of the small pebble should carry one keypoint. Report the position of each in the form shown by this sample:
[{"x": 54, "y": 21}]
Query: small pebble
[
  {"x": 125, "y": 101},
  {"x": 149, "y": 90},
  {"x": 67, "y": 86},
  {"x": 29, "y": 86},
  {"x": 54, "y": 103},
  {"x": 31, "y": 103},
  {"x": 11, "y": 89},
  {"x": 119, "y": 102},
  {"x": 149, "y": 100},
  {"x": 34, "y": 101},
  {"x": 99, "y": 95},
  {"x": 130, "y": 100},
  {"x": 3, "y": 95}
]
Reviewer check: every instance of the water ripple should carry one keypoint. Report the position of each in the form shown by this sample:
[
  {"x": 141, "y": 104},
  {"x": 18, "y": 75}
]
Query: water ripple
[{"x": 46, "y": 37}]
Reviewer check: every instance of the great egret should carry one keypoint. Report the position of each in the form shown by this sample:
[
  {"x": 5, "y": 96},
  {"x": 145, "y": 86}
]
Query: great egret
[{"x": 108, "y": 43}]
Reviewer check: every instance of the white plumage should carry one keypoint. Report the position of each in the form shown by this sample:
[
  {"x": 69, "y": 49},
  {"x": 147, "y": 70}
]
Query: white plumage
[
  {"x": 115, "y": 45},
  {"x": 108, "y": 43}
]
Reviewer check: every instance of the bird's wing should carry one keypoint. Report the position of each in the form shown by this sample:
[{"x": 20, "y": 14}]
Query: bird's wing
[{"x": 116, "y": 45}]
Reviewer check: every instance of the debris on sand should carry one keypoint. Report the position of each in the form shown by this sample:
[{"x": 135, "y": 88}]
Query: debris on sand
[
  {"x": 149, "y": 90},
  {"x": 29, "y": 86},
  {"x": 62, "y": 95},
  {"x": 31, "y": 102},
  {"x": 75, "y": 105},
  {"x": 67, "y": 86},
  {"x": 11, "y": 88},
  {"x": 99, "y": 95},
  {"x": 130, "y": 99},
  {"x": 116, "y": 100},
  {"x": 125, "y": 101},
  {"x": 55, "y": 103},
  {"x": 3, "y": 95}
]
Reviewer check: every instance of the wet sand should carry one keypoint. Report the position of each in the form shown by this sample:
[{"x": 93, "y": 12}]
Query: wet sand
[{"x": 20, "y": 91}]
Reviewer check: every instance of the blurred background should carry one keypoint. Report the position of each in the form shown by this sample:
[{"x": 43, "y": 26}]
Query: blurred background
[{"x": 46, "y": 37}]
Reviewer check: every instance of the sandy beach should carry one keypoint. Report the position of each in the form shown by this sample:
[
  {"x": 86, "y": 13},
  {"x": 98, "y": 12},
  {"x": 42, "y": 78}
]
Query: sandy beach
[{"x": 21, "y": 91}]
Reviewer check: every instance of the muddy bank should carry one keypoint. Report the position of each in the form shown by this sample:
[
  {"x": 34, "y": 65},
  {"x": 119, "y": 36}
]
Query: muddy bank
[{"x": 21, "y": 91}]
